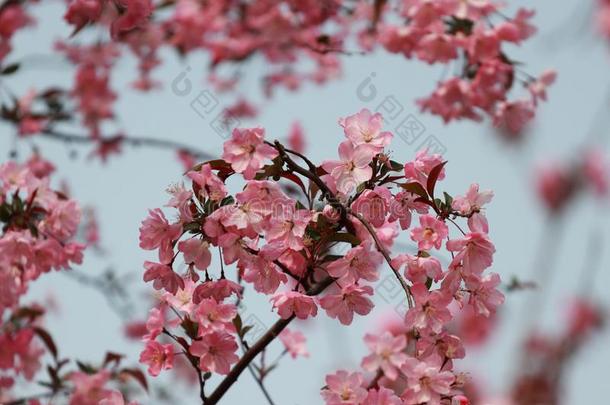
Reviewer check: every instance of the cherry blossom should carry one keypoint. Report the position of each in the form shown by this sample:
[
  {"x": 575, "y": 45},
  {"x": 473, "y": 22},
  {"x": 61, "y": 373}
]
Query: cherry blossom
[
  {"x": 216, "y": 351},
  {"x": 344, "y": 388},
  {"x": 387, "y": 354},
  {"x": 158, "y": 357},
  {"x": 430, "y": 233},
  {"x": 294, "y": 303},
  {"x": 294, "y": 342},
  {"x": 246, "y": 151}
]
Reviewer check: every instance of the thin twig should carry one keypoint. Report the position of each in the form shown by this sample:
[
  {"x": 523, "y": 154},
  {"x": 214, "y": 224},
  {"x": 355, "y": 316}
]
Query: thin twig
[{"x": 387, "y": 257}]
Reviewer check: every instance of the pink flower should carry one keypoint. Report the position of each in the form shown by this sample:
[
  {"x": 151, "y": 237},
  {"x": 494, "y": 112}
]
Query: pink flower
[
  {"x": 113, "y": 398},
  {"x": 246, "y": 151},
  {"x": 513, "y": 116},
  {"x": 386, "y": 354},
  {"x": 216, "y": 352},
  {"x": 555, "y": 185},
  {"x": 289, "y": 228},
  {"x": 265, "y": 275},
  {"x": 475, "y": 252},
  {"x": 484, "y": 296},
  {"x": 296, "y": 138},
  {"x": 430, "y": 233},
  {"x": 211, "y": 316},
  {"x": 358, "y": 263},
  {"x": 430, "y": 312},
  {"x": 196, "y": 252},
  {"x": 294, "y": 303},
  {"x": 219, "y": 290},
  {"x": 597, "y": 171},
  {"x": 538, "y": 87},
  {"x": 436, "y": 47},
  {"x": 294, "y": 342},
  {"x": 419, "y": 169},
  {"x": 351, "y": 299},
  {"x": 162, "y": 276},
  {"x": 181, "y": 200},
  {"x": 63, "y": 219},
  {"x": 364, "y": 128},
  {"x": 210, "y": 184},
  {"x": 473, "y": 201},
  {"x": 343, "y": 388},
  {"x": 425, "y": 381},
  {"x": 154, "y": 324},
  {"x": 89, "y": 388},
  {"x": 471, "y": 205},
  {"x": 82, "y": 12},
  {"x": 382, "y": 396},
  {"x": 353, "y": 168},
  {"x": 419, "y": 269},
  {"x": 157, "y": 233},
  {"x": 135, "y": 16},
  {"x": 183, "y": 299},
  {"x": 483, "y": 45},
  {"x": 373, "y": 205},
  {"x": 401, "y": 207},
  {"x": 453, "y": 99},
  {"x": 518, "y": 29},
  {"x": 158, "y": 357}
]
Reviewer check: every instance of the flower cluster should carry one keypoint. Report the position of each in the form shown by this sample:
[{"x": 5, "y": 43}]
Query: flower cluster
[
  {"x": 319, "y": 250},
  {"x": 20, "y": 348},
  {"x": 13, "y": 17},
  {"x": 300, "y": 42},
  {"x": 38, "y": 232},
  {"x": 38, "y": 228},
  {"x": 413, "y": 364},
  {"x": 461, "y": 32},
  {"x": 558, "y": 183}
]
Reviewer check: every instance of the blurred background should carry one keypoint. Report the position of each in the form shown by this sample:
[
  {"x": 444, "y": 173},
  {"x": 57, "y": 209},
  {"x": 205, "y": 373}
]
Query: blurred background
[{"x": 570, "y": 248}]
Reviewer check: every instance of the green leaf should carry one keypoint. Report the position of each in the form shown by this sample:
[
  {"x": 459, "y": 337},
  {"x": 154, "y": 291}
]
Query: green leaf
[
  {"x": 227, "y": 201},
  {"x": 396, "y": 167},
  {"x": 448, "y": 199}
]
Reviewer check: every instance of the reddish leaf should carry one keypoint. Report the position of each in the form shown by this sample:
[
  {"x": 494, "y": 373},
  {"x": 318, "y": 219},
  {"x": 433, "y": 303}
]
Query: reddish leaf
[
  {"x": 415, "y": 188},
  {"x": 295, "y": 179},
  {"x": 47, "y": 340},
  {"x": 112, "y": 357},
  {"x": 433, "y": 178},
  {"x": 138, "y": 375}
]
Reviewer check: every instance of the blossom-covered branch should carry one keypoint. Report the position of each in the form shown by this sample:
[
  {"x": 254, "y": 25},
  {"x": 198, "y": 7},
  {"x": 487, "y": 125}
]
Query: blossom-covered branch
[{"x": 322, "y": 248}]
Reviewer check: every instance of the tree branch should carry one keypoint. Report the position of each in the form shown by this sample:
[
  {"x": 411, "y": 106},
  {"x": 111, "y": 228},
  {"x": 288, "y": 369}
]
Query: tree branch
[
  {"x": 131, "y": 141},
  {"x": 387, "y": 257},
  {"x": 258, "y": 347}
]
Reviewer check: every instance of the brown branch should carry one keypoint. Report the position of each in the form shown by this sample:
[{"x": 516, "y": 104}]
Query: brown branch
[
  {"x": 312, "y": 175},
  {"x": 258, "y": 347},
  {"x": 131, "y": 141}
]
